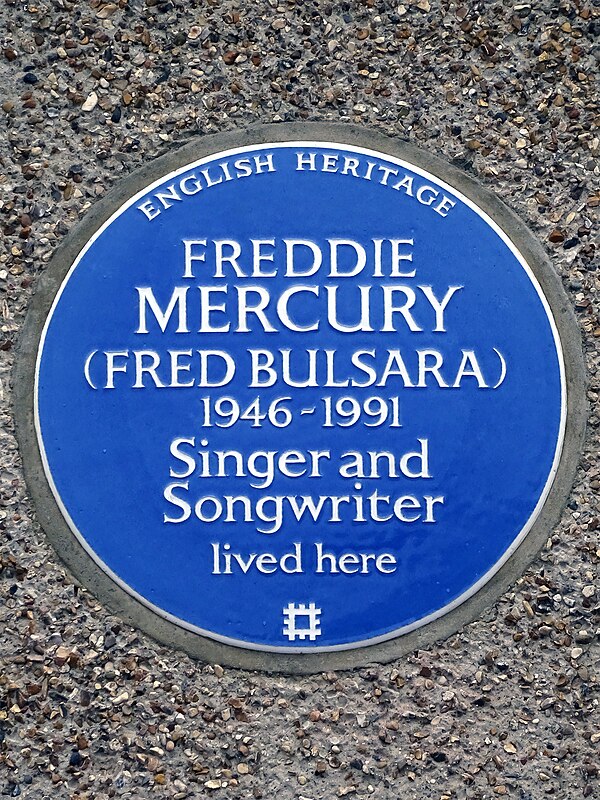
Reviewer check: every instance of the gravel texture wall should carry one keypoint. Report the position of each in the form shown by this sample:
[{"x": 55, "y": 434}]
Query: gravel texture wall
[{"x": 90, "y": 708}]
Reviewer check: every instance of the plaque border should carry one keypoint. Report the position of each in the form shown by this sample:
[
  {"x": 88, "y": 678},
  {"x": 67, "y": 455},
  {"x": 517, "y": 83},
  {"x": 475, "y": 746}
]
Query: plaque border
[{"x": 158, "y": 624}]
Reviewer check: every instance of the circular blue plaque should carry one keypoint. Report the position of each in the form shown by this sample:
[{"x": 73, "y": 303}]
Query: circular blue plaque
[{"x": 300, "y": 396}]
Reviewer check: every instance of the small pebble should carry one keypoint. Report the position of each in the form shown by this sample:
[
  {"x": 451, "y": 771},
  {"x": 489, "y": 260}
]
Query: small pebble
[{"x": 90, "y": 102}]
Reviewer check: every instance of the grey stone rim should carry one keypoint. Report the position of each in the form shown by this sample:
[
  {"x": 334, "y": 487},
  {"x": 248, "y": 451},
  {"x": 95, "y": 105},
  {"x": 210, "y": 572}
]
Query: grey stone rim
[{"x": 137, "y": 614}]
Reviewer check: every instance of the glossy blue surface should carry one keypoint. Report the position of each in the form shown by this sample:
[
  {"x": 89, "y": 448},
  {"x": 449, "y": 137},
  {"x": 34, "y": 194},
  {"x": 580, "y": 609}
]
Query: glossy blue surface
[{"x": 491, "y": 450}]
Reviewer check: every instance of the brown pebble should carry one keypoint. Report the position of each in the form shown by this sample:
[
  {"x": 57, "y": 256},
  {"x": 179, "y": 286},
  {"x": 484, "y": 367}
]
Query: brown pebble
[
  {"x": 230, "y": 56},
  {"x": 152, "y": 764},
  {"x": 107, "y": 11}
]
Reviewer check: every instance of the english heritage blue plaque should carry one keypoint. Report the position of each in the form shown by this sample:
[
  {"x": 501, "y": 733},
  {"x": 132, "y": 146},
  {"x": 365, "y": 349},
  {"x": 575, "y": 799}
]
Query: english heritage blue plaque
[{"x": 300, "y": 396}]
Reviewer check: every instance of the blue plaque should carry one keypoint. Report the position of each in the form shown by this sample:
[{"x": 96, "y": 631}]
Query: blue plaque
[{"x": 300, "y": 396}]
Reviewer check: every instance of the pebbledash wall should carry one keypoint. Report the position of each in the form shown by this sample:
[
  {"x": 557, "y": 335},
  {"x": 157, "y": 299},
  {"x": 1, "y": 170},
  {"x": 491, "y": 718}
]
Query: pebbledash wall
[{"x": 93, "y": 707}]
